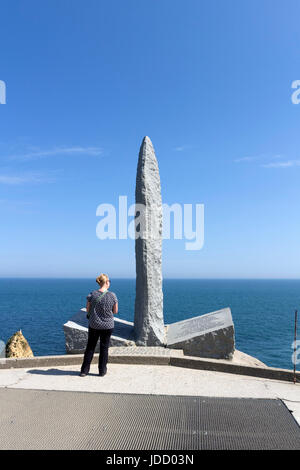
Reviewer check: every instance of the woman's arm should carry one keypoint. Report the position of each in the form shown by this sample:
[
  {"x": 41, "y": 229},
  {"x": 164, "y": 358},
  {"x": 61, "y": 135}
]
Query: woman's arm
[
  {"x": 88, "y": 306},
  {"x": 115, "y": 309}
]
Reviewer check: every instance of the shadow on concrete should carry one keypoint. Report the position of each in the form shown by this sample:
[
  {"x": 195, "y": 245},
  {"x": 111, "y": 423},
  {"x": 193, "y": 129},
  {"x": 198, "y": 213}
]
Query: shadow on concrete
[{"x": 57, "y": 372}]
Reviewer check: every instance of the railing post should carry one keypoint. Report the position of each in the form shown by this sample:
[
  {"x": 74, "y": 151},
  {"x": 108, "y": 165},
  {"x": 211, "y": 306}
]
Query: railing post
[{"x": 295, "y": 344}]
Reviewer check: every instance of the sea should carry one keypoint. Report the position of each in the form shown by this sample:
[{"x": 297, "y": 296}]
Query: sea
[{"x": 263, "y": 311}]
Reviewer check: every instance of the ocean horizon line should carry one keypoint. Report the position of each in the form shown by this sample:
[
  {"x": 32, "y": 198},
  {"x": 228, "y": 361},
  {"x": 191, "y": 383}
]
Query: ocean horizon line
[{"x": 164, "y": 278}]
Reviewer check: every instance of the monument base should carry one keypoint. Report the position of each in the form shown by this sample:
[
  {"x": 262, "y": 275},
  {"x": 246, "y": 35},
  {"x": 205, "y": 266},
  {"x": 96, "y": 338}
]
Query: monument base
[
  {"x": 209, "y": 336},
  {"x": 76, "y": 333}
]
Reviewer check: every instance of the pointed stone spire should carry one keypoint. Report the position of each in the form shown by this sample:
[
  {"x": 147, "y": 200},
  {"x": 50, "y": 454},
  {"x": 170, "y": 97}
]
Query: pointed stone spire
[{"x": 148, "y": 317}]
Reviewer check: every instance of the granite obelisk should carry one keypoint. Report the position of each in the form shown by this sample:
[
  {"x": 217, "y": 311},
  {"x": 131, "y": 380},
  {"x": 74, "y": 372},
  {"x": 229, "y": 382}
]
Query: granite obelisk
[
  {"x": 210, "y": 335},
  {"x": 148, "y": 316}
]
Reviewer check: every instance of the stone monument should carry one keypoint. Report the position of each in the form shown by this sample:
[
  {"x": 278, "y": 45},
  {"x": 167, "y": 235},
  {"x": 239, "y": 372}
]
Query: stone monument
[
  {"x": 210, "y": 335},
  {"x": 148, "y": 316}
]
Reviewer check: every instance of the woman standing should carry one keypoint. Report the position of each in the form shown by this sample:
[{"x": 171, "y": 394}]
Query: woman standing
[{"x": 101, "y": 307}]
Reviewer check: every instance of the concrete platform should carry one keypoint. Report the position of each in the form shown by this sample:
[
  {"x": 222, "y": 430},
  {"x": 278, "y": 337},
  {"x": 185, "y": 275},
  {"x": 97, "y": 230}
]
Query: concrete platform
[
  {"x": 150, "y": 374},
  {"x": 153, "y": 380}
]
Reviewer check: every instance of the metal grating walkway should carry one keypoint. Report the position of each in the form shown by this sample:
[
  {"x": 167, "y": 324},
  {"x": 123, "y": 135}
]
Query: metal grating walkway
[{"x": 35, "y": 419}]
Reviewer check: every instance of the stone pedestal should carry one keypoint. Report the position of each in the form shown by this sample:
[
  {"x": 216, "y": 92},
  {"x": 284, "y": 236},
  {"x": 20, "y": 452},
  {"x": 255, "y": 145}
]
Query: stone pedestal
[
  {"x": 76, "y": 333},
  {"x": 210, "y": 335}
]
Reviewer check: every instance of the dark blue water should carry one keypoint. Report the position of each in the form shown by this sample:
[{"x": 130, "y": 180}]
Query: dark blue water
[{"x": 262, "y": 310}]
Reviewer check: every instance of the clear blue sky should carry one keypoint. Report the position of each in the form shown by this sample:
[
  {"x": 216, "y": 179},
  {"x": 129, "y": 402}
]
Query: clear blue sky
[{"x": 208, "y": 81}]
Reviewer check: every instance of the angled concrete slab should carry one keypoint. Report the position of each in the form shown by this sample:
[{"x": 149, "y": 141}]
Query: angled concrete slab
[
  {"x": 210, "y": 335},
  {"x": 76, "y": 333}
]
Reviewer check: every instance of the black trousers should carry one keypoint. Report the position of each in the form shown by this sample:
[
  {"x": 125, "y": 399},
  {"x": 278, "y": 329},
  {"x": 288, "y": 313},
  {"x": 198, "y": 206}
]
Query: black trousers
[{"x": 90, "y": 349}]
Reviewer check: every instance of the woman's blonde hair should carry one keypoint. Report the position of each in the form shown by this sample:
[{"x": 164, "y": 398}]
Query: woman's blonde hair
[{"x": 101, "y": 280}]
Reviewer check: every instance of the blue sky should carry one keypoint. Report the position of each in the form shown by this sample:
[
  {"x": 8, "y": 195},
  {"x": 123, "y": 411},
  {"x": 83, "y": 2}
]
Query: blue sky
[{"x": 208, "y": 81}]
